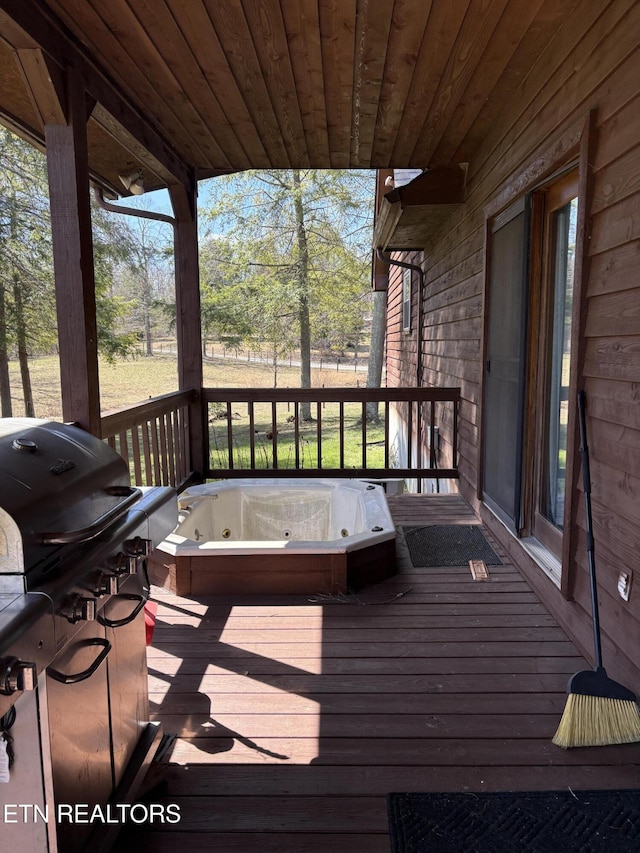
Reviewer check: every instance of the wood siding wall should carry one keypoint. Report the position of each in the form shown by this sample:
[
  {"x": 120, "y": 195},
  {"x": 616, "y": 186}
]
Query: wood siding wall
[{"x": 592, "y": 63}]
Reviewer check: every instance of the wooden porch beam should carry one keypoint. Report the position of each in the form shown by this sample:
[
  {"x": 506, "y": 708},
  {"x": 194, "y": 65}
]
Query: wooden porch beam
[
  {"x": 27, "y": 24},
  {"x": 67, "y": 164},
  {"x": 188, "y": 327},
  {"x": 45, "y": 83},
  {"x": 442, "y": 185}
]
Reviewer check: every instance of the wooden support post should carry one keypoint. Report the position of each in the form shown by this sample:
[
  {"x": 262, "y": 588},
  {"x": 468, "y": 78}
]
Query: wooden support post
[
  {"x": 380, "y": 276},
  {"x": 188, "y": 326},
  {"x": 67, "y": 165}
]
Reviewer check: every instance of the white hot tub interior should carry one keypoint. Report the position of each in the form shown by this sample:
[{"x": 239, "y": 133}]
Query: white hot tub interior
[{"x": 266, "y": 512}]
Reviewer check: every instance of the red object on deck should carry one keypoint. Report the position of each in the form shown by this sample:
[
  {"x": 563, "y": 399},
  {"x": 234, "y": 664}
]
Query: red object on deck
[{"x": 150, "y": 612}]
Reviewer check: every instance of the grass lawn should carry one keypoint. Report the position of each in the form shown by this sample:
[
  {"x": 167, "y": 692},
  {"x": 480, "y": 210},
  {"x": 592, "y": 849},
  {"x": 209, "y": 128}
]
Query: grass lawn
[
  {"x": 318, "y": 440},
  {"x": 134, "y": 381},
  {"x": 129, "y": 382}
]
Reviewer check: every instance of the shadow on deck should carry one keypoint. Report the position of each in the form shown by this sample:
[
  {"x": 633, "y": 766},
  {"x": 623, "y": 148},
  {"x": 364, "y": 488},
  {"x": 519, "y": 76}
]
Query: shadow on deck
[{"x": 295, "y": 717}]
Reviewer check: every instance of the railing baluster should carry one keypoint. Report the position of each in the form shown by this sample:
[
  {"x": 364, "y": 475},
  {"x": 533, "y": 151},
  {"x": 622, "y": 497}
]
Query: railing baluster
[
  {"x": 177, "y": 438},
  {"x": 274, "y": 434},
  {"x": 229, "y": 436},
  {"x": 252, "y": 435},
  {"x": 419, "y": 447},
  {"x": 432, "y": 442},
  {"x": 123, "y": 439},
  {"x": 170, "y": 447},
  {"x": 163, "y": 451},
  {"x": 157, "y": 478},
  {"x": 410, "y": 434},
  {"x": 135, "y": 449},
  {"x": 386, "y": 434},
  {"x": 296, "y": 432},
  {"x": 185, "y": 427},
  {"x": 341, "y": 434},
  {"x": 148, "y": 470},
  {"x": 177, "y": 448},
  {"x": 319, "y": 433},
  {"x": 364, "y": 434}
]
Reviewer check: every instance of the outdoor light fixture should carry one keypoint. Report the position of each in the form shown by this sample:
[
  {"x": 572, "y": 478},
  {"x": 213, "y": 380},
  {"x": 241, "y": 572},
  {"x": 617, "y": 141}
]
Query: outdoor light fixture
[{"x": 133, "y": 182}]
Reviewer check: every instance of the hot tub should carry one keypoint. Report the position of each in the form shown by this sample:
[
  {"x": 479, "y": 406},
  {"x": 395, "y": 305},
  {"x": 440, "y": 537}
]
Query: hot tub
[{"x": 271, "y": 536}]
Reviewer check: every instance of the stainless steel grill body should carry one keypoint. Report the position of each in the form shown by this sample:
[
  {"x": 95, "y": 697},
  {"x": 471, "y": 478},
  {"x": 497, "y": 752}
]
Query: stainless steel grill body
[{"x": 74, "y": 536}]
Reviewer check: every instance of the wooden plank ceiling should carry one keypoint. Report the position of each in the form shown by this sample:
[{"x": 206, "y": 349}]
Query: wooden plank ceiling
[{"x": 287, "y": 83}]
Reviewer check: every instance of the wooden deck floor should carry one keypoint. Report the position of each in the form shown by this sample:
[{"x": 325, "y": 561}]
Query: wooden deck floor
[{"x": 295, "y": 717}]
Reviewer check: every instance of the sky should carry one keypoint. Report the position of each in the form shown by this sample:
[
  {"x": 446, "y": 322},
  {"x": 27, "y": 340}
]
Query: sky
[{"x": 158, "y": 201}]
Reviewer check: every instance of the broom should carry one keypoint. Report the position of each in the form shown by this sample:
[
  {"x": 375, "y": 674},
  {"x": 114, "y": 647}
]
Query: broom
[{"x": 599, "y": 711}]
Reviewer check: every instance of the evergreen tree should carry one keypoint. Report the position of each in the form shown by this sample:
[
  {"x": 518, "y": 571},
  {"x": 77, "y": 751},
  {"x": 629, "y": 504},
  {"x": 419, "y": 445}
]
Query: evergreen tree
[
  {"x": 28, "y": 325},
  {"x": 300, "y": 242}
]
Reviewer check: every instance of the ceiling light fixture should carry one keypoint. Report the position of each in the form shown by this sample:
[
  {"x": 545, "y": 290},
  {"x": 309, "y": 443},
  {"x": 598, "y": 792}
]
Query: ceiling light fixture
[{"x": 133, "y": 182}]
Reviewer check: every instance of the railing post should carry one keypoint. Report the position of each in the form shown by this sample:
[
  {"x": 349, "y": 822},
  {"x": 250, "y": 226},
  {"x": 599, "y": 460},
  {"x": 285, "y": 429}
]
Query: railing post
[
  {"x": 188, "y": 326},
  {"x": 68, "y": 173},
  {"x": 454, "y": 460}
]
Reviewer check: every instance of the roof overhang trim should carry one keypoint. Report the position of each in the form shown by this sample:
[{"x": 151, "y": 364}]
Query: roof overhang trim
[{"x": 410, "y": 215}]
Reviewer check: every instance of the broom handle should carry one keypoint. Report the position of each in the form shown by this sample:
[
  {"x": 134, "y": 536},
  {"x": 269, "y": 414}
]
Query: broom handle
[{"x": 586, "y": 478}]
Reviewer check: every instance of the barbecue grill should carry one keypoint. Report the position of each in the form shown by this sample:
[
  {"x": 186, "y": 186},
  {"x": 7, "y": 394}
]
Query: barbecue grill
[{"x": 74, "y": 537}]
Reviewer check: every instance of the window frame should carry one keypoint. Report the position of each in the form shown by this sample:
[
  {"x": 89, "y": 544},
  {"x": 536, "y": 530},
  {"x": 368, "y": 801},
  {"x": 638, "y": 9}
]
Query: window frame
[
  {"x": 406, "y": 300},
  {"x": 546, "y": 201},
  {"x": 574, "y": 144}
]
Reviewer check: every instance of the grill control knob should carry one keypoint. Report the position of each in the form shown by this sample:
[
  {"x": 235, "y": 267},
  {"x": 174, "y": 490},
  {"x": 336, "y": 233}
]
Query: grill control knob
[
  {"x": 126, "y": 564},
  {"x": 138, "y": 547},
  {"x": 16, "y": 675},
  {"x": 80, "y": 609},
  {"x": 107, "y": 584}
]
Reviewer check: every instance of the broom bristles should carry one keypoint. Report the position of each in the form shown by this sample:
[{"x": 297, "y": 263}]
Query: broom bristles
[{"x": 597, "y": 721}]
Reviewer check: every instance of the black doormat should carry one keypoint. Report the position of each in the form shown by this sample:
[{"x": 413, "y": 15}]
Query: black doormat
[
  {"x": 448, "y": 545},
  {"x": 521, "y": 822}
]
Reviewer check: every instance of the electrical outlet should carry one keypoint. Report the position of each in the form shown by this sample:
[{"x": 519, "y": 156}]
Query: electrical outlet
[{"x": 624, "y": 584}]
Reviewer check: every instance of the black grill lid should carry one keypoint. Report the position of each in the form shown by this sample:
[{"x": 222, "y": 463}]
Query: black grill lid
[{"x": 58, "y": 484}]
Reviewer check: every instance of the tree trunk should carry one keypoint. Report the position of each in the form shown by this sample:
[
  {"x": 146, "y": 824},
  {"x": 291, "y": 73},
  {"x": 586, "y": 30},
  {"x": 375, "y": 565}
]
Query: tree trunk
[
  {"x": 23, "y": 355},
  {"x": 302, "y": 273},
  {"x": 274, "y": 362},
  {"x": 21, "y": 332},
  {"x": 146, "y": 308},
  {"x": 376, "y": 351},
  {"x": 5, "y": 385}
]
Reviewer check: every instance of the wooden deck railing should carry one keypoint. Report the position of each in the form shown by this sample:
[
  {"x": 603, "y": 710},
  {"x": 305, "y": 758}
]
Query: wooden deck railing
[
  {"x": 325, "y": 432},
  {"x": 153, "y": 438},
  {"x": 321, "y": 432}
]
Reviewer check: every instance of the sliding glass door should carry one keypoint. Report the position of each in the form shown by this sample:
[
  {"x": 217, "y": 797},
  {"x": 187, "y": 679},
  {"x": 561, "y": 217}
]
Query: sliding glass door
[
  {"x": 505, "y": 363},
  {"x": 531, "y": 262}
]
